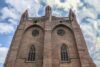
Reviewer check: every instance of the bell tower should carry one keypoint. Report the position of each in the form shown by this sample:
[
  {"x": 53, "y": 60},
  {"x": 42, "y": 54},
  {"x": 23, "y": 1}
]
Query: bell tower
[{"x": 48, "y": 41}]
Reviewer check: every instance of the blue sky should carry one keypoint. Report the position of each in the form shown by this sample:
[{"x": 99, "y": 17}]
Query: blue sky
[{"x": 87, "y": 12}]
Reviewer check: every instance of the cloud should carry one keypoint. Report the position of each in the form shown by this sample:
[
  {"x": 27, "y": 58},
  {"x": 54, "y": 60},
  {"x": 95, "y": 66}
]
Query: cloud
[
  {"x": 3, "y": 53},
  {"x": 86, "y": 12},
  {"x": 22, "y": 5},
  {"x": 33, "y": 9},
  {"x": 6, "y": 13},
  {"x": 10, "y": 15},
  {"x": 97, "y": 62},
  {"x": 94, "y": 4},
  {"x": 6, "y": 28},
  {"x": 66, "y": 5}
]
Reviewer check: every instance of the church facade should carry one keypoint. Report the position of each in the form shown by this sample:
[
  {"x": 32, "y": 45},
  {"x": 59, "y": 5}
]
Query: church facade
[{"x": 48, "y": 41}]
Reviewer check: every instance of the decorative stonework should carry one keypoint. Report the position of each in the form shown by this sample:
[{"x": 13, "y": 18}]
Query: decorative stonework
[
  {"x": 35, "y": 32},
  {"x": 60, "y": 32}
]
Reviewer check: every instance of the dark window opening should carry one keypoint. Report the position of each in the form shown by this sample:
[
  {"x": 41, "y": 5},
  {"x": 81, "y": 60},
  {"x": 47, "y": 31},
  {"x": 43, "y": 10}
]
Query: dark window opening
[
  {"x": 64, "y": 53},
  {"x": 60, "y": 32},
  {"x": 31, "y": 56},
  {"x": 61, "y": 21},
  {"x": 35, "y": 32},
  {"x": 35, "y": 21}
]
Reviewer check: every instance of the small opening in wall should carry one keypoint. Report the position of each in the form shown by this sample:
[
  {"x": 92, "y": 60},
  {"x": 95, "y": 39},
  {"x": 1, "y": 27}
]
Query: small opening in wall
[
  {"x": 60, "y": 21},
  {"x": 35, "y": 32},
  {"x": 66, "y": 21},
  {"x": 35, "y": 21},
  {"x": 60, "y": 32},
  {"x": 64, "y": 54},
  {"x": 31, "y": 55}
]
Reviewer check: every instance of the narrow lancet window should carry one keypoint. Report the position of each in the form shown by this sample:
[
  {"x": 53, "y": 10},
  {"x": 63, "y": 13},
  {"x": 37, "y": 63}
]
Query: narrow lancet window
[
  {"x": 31, "y": 55},
  {"x": 64, "y": 53}
]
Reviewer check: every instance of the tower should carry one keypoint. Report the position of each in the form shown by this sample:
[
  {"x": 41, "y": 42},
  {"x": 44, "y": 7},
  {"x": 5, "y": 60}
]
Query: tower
[{"x": 48, "y": 41}]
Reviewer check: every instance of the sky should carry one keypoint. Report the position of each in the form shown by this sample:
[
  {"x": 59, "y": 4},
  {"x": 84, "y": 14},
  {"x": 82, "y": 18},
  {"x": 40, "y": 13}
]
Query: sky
[{"x": 87, "y": 12}]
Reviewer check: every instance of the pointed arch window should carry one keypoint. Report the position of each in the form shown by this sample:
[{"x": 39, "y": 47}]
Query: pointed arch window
[
  {"x": 31, "y": 55},
  {"x": 64, "y": 53}
]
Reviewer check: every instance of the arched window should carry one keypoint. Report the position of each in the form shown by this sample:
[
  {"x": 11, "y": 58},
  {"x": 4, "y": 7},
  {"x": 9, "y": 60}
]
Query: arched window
[
  {"x": 64, "y": 53},
  {"x": 31, "y": 55}
]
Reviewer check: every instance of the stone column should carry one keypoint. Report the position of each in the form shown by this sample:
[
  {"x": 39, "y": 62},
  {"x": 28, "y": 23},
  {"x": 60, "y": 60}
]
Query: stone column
[{"x": 47, "y": 56}]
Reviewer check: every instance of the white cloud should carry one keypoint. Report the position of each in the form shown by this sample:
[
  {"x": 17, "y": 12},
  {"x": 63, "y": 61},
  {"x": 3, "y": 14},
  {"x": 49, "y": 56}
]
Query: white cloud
[
  {"x": 33, "y": 9},
  {"x": 97, "y": 62},
  {"x": 66, "y": 5},
  {"x": 86, "y": 12},
  {"x": 13, "y": 22},
  {"x": 22, "y": 5},
  {"x": 6, "y": 28},
  {"x": 19, "y": 5},
  {"x": 8, "y": 12},
  {"x": 3, "y": 53},
  {"x": 94, "y": 4}
]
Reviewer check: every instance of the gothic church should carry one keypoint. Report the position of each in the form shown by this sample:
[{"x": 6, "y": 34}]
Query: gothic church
[{"x": 48, "y": 41}]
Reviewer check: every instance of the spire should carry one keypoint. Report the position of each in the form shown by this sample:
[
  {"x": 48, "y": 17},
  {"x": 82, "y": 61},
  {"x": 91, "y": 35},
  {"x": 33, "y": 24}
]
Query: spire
[
  {"x": 25, "y": 15},
  {"x": 48, "y": 11},
  {"x": 71, "y": 14}
]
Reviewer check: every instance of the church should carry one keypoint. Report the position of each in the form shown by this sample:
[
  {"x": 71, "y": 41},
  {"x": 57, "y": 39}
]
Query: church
[{"x": 48, "y": 41}]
